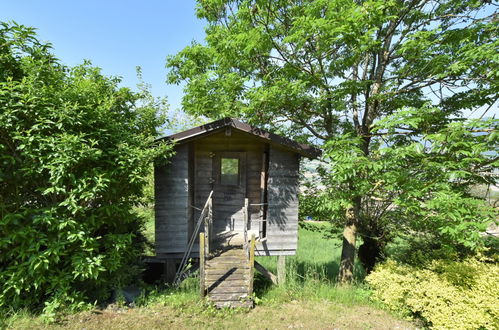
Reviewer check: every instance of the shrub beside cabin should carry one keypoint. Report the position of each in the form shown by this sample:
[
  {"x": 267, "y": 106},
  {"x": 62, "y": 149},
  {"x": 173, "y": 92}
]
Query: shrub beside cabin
[{"x": 239, "y": 164}]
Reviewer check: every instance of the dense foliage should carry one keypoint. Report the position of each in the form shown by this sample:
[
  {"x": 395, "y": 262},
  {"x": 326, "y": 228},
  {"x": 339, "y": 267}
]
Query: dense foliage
[
  {"x": 446, "y": 294},
  {"x": 417, "y": 185},
  {"x": 327, "y": 71},
  {"x": 75, "y": 149}
]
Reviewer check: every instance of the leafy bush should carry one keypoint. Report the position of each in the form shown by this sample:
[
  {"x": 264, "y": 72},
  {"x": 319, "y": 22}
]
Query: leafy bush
[
  {"x": 74, "y": 154},
  {"x": 447, "y": 294}
]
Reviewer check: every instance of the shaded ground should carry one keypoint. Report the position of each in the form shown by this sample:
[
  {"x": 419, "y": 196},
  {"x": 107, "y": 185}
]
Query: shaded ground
[{"x": 291, "y": 315}]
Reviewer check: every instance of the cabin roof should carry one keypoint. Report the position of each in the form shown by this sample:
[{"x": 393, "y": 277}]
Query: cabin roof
[{"x": 215, "y": 126}]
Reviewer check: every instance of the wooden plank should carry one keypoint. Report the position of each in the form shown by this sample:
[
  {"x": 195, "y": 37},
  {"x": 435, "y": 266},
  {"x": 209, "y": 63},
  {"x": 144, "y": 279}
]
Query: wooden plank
[
  {"x": 178, "y": 243},
  {"x": 202, "y": 289},
  {"x": 275, "y": 229},
  {"x": 227, "y": 296},
  {"x": 225, "y": 272},
  {"x": 233, "y": 147},
  {"x": 283, "y": 245},
  {"x": 227, "y": 278},
  {"x": 251, "y": 264},
  {"x": 179, "y": 234},
  {"x": 247, "y": 303},
  {"x": 175, "y": 251},
  {"x": 168, "y": 199},
  {"x": 172, "y": 189},
  {"x": 267, "y": 253},
  {"x": 281, "y": 269},
  {"x": 169, "y": 227},
  {"x": 213, "y": 284},
  {"x": 227, "y": 260},
  {"x": 284, "y": 234},
  {"x": 231, "y": 289},
  {"x": 266, "y": 273},
  {"x": 213, "y": 264},
  {"x": 277, "y": 246},
  {"x": 173, "y": 217},
  {"x": 282, "y": 210},
  {"x": 171, "y": 201},
  {"x": 170, "y": 269}
]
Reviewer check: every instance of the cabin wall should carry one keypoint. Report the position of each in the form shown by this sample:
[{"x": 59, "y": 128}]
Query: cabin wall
[
  {"x": 203, "y": 180},
  {"x": 282, "y": 196},
  {"x": 172, "y": 203},
  {"x": 188, "y": 179}
]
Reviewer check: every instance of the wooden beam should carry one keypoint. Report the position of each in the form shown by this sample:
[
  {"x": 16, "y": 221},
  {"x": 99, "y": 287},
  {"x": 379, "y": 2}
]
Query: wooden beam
[
  {"x": 251, "y": 263},
  {"x": 266, "y": 273},
  {"x": 281, "y": 269},
  {"x": 202, "y": 290},
  {"x": 170, "y": 269}
]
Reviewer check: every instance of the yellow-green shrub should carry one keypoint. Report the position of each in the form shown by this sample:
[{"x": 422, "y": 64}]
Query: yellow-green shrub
[{"x": 447, "y": 294}]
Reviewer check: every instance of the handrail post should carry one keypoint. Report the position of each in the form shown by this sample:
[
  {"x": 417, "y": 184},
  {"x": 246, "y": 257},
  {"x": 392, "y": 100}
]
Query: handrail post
[
  {"x": 245, "y": 225},
  {"x": 207, "y": 234},
  {"x": 202, "y": 290},
  {"x": 210, "y": 224},
  {"x": 251, "y": 263}
]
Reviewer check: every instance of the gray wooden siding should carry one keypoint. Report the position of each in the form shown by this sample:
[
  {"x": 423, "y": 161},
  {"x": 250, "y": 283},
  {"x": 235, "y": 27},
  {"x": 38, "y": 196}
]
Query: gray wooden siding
[
  {"x": 172, "y": 203},
  {"x": 282, "y": 212},
  {"x": 187, "y": 180},
  {"x": 237, "y": 142}
]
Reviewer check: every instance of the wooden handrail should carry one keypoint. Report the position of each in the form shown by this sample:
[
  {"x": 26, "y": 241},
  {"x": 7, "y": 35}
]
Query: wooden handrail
[
  {"x": 187, "y": 253},
  {"x": 202, "y": 282},
  {"x": 208, "y": 226},
  {"x": 245, "y": 225},
  {"x": 251, "y": 264}
]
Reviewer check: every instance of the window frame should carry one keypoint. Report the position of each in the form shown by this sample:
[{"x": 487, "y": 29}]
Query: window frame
[
  {"x": 217, "y": 168},
  {"x": 238, "y": 174}
]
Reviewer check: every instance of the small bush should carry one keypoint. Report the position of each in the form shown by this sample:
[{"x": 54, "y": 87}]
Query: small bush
[{"x": 446, "y": 294}]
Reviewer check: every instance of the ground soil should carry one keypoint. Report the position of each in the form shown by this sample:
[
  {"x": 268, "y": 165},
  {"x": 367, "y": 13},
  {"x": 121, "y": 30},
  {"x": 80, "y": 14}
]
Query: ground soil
[{"x": 291, "y": 315}]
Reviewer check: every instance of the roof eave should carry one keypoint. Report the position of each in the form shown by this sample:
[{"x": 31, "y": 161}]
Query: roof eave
[{"x": 196, "y": 132}]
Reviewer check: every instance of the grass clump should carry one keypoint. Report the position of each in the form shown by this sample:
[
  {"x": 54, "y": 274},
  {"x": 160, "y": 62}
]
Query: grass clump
[{"x": 311, "y": 274}]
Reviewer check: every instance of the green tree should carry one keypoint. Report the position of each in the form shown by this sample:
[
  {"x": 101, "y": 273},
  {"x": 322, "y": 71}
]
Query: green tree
[
  {"x": 325, "y": 69},
  {"x": 75, "y": 149}
]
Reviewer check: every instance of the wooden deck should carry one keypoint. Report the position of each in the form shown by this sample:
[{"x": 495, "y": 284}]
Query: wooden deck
[
  {"x": 226, "y": 274},
  {"x": 227, "y": 278}
]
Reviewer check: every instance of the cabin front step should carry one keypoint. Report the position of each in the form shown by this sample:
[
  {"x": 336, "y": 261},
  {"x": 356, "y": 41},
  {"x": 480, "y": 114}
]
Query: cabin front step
[{"x": 227, "y": 279}]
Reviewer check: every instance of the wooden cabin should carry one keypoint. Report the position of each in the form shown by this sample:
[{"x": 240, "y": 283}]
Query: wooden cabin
[{"x": 252, "y": 177}]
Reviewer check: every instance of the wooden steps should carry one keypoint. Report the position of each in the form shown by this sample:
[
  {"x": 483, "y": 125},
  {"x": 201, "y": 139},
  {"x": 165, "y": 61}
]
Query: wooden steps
[{"x": 227, "y": 278}]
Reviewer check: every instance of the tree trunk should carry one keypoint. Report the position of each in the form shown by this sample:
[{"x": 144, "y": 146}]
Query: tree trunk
[
  {"x": 348, "y": 251},
  {"x": 369, "y": 253}
]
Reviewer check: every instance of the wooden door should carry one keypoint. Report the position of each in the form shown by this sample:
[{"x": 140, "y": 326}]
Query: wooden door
[{"x": 229, "y": 191}]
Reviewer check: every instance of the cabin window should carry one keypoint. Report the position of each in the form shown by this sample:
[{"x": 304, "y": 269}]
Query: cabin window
[{"x": 229, "y": 172}]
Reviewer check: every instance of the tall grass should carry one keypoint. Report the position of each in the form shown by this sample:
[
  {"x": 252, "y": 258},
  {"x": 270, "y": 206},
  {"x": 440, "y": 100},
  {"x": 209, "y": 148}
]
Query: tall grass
[
  {"x": 310, "y": 275},
  {"x": 312, "y": 272}
]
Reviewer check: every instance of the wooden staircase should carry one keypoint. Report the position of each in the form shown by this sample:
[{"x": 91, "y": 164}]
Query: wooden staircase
[{"x": 226, "y": 277}]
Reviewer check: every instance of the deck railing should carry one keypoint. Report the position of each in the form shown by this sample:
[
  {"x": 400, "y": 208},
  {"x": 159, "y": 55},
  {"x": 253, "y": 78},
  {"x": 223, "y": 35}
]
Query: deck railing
[
  {"x": 251, "y": 263},
  {"x": 206, "y": 215},
  {"x": 208, "y": 227},
  {"x": 245, "y": 224},
  {"x": 249, "y": 247}
]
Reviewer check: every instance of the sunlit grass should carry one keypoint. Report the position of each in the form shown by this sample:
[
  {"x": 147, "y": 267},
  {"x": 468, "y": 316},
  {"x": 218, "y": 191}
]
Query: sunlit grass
[
  {"x": 312, "y": 272},
  {"x": 311, "y": 279}
]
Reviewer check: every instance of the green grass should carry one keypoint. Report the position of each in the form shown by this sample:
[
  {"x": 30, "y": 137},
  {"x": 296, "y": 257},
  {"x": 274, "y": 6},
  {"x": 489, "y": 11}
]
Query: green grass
[
  {"x": 312, "y": 272},
  {"x": 309, "y": 298}
]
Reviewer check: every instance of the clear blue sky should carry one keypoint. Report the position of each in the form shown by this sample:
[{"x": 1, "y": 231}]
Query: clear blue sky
[{"x": 115, "y": 35}]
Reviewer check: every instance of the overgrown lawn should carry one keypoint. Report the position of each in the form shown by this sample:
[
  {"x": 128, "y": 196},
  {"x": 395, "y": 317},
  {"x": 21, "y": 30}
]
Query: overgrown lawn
[{"x": 310, "y": 298}]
